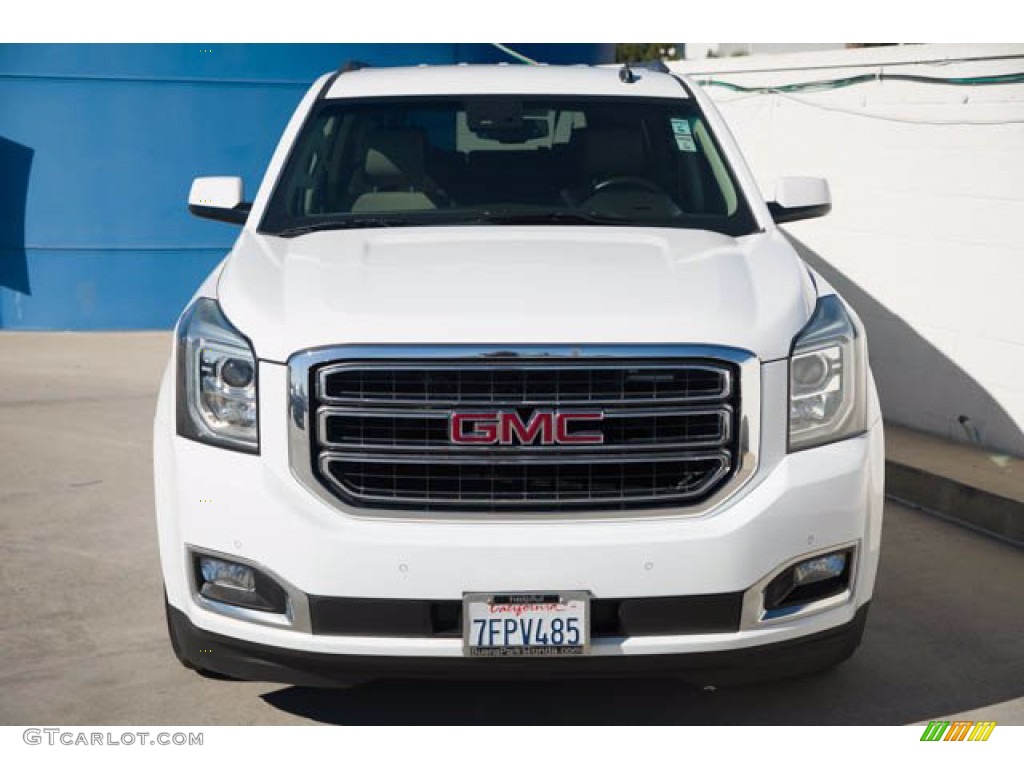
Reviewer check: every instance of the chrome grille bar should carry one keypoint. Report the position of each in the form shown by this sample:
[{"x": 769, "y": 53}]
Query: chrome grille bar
[
  {"x": 369, "y": 428},
  {"x": 696, "y": 474},
  {"x": 502, "y": 384},
  {"x": 701, "y": 427}
]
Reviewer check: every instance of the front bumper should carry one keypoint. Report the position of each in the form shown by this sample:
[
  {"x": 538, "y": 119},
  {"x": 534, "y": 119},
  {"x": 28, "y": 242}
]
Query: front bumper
[
  {"x": 250, "y": 661},
  {"x": 252, "y": 508}
]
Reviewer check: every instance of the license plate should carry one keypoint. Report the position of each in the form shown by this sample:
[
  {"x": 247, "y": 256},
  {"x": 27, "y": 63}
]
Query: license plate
[{"x": 549, "y": 624}]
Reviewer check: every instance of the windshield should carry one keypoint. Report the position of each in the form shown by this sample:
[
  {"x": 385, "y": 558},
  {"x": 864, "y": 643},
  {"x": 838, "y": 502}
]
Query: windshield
[{"x": 418, "y": 161}]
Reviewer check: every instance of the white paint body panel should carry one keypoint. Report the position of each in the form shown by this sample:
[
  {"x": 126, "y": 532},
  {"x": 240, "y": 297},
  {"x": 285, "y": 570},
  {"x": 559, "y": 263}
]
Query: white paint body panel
[
  {"x": 796, "y": 503},
  {"x": 216, "y": 191},
  {"x": 509, "y": 285},
  {"x": 501, "y": 79},
  {"x": 801, "y": 191},
  {"x": 513, "y": 285}
]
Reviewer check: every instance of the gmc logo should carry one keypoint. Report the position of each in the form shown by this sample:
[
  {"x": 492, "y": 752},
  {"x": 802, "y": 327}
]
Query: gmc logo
[{"x": 507, "y": 428}]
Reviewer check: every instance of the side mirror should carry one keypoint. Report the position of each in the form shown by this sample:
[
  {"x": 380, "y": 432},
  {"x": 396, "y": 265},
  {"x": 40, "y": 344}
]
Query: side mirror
[
  {"x": 219, "y": 198},
  {"x": 800, "y": 197}
]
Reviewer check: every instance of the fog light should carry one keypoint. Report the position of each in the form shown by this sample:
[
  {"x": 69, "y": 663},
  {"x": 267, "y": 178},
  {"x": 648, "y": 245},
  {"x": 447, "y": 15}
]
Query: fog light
[
  {"x": 225, "y": 574},
  {"x": 819, "y": 569},
  {"x": 233, "y": 583},
  {"x": 806, "y": 582}
]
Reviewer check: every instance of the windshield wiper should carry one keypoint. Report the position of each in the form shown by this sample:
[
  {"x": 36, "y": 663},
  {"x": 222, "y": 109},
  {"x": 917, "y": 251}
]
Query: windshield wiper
[
  {"x": 455, "y": 218},
  {"x": 360, "y": 222},
  {"x": 549, "y": 217}
]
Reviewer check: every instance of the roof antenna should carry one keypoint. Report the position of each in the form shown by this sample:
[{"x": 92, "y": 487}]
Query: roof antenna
[{"x": 627, "y": 75}]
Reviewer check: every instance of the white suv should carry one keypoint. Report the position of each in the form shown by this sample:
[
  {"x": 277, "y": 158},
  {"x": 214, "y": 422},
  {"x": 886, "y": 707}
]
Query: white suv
[{"x": 512, "y": 372}]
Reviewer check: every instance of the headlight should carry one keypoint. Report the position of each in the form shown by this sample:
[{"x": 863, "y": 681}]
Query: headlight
[
  {"x": 216, "y": 392},
  {"x": 827, "y": 378}
]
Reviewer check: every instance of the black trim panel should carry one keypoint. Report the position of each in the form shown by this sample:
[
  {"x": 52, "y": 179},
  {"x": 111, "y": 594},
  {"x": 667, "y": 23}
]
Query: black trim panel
[
  {"x": 237, "y": 215},
  {"x": 626, "y": 617},
  {"x": 781, "y": 214},
  {"x": 249, "y": 661}
]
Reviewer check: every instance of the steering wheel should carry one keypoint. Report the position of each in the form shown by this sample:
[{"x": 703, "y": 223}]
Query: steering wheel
[
  {"x": 636, "y": 182},
  {"x": 611, "y": 183}
]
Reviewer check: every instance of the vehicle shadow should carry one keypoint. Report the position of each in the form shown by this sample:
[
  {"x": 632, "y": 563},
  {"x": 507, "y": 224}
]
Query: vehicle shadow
[
  {"x": 952, "y": 405},
  {"x": 932, "y": 648}
]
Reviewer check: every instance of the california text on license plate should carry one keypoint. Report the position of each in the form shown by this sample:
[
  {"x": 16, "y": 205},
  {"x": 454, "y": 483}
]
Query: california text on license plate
[{"x": 548, "y": 624}]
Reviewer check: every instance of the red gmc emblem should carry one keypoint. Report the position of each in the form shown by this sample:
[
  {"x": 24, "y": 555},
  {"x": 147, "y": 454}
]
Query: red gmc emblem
[{"x": 508, "y": 428}]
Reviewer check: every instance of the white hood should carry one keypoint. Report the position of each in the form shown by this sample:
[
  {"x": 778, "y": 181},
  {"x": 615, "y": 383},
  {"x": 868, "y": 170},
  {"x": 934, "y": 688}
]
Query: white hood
[{"x": 515, "y": 285}]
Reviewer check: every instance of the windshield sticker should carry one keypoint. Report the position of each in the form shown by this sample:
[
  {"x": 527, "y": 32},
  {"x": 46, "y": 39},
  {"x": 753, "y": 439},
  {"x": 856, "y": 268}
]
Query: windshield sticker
[{"x": 681, "y": 131}]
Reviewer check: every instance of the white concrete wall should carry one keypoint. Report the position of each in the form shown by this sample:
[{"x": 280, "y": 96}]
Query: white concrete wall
[
  {"x": 704, "y": 50},
  {"x": 926, "y": 232}
]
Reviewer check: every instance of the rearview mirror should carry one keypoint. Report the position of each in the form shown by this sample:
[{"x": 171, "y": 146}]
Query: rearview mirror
[
  {"x": 800, "y": 197},
  {"x": 505, "y": 121},
  {"x": 219, "y": 198}
]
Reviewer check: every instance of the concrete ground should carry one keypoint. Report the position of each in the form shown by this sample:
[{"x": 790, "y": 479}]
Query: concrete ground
[{"x": 82, "y": 637}]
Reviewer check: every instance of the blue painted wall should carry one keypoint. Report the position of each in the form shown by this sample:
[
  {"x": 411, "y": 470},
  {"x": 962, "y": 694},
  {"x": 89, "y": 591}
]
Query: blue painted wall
[{"x": 98, "y": 147}]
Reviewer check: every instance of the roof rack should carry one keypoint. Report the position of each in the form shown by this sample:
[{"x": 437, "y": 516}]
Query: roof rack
[
  {"x": 352, "y": 66},
  {"x": 349, "y": 66}
]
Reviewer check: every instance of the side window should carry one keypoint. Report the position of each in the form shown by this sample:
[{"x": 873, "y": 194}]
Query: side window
[{"x": 566, "y": 124}]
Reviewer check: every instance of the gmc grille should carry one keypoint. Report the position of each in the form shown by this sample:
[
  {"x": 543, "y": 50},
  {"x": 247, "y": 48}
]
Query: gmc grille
[{"x": 379, "y": 435}]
